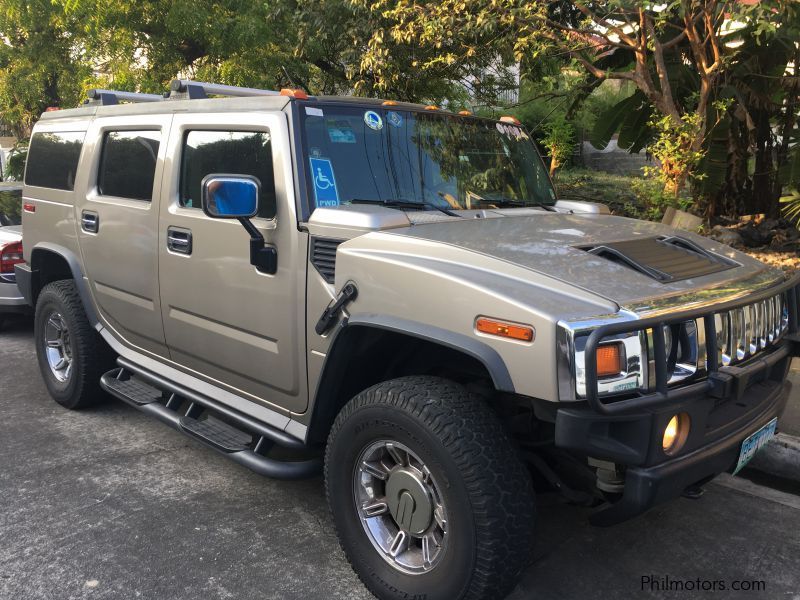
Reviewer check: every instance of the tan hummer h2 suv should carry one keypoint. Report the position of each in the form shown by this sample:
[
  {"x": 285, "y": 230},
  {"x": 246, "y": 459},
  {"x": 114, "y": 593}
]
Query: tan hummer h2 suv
[{"x": 394, "y": 292}]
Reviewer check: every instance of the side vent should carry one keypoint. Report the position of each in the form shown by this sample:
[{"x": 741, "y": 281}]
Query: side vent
[{"x": 323, "y": 257}]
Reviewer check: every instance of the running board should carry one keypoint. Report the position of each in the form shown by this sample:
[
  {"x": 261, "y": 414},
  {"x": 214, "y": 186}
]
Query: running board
[{"x": 238, "y": 437}]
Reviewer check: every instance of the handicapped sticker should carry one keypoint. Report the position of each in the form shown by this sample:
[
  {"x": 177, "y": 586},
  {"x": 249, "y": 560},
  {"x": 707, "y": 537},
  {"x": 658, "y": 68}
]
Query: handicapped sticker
[{"x": 324, "y": 182}]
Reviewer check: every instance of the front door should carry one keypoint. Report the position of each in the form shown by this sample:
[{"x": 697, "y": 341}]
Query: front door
[
  {"x": 118, "y": 225},
  {"x": 223, "y": 319}
]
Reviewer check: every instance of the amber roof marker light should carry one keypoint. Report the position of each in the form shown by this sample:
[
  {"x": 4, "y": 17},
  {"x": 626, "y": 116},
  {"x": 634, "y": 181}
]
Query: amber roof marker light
[
  {"x": 505, "y": 329},
  {"x": 297, "y": 94}
]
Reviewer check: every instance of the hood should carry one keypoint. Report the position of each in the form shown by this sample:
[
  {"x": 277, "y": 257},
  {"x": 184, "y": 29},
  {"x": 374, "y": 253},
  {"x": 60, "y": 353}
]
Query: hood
[{"x": 622, "y": 260}]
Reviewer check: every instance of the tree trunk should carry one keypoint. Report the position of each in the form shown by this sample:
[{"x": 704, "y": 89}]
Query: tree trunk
[
  {"x": 553, "y": 164},
  {"x": 762, "y": 200}
]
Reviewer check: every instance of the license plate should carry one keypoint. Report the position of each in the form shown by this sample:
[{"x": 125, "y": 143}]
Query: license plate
[{"x": 755, "y": 442}]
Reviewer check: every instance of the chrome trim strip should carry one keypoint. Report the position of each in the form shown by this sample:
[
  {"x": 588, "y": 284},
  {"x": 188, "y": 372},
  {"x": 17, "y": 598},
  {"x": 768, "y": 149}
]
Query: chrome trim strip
[{"x": 705, "y": 298}]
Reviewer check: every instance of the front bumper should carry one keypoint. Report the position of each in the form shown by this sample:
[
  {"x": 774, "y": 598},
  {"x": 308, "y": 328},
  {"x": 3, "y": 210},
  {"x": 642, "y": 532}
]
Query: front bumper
[{"x": 755, "y": 394}]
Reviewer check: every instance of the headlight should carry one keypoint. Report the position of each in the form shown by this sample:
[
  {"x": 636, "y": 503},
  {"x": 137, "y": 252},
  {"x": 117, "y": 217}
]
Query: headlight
[
  {"x": 625, "y": 361},
  {"x": 619, "y": 364}
]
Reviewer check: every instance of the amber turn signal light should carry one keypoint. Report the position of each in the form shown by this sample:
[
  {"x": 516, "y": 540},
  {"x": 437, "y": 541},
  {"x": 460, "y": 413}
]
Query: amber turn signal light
[
  {"x": 610, "y": 360},
  {"x": 297, "y": 94},
  {"x": 523, "y": 333}
]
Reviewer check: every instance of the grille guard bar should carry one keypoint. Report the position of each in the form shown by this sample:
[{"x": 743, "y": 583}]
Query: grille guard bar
[{"x": 719, "y": 379}]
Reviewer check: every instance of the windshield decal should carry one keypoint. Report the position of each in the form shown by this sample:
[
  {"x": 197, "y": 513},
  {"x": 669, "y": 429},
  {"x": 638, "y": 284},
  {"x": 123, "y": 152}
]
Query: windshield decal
[
  {"x": 373, "y": 120},
  {"x": 324, "y": 182},
  {"x": 395, "y": 118},
  {"x": 313, "y": 111},
  {"x": 340, "y": 131},
  {"x": 512, "y": 131}
]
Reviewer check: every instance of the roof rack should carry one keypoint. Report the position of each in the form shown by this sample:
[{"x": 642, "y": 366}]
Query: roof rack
[
  {"x": 186, "y": 88},
  {"x": 109, "y": 97}
]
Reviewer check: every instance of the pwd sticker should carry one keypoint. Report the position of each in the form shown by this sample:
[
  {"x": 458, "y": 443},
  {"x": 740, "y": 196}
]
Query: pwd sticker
[
  {"x": 395, "y": 118},
  {"x": 373, "y": 120},
  {"x": 325, "y": 191}
]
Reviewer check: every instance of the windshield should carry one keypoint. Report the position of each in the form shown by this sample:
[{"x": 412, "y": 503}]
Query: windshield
[{"x": 363, "y": 154}]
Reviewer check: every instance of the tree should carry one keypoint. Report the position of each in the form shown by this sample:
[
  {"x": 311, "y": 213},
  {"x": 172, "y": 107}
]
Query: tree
[
  {"x": 40, "y": 65},
  {"x": 674, "y": 54}
]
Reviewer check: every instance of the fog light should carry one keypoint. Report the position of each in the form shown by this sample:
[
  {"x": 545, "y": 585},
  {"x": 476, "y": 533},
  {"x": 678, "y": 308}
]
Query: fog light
[{"x": 675, "y": 433}]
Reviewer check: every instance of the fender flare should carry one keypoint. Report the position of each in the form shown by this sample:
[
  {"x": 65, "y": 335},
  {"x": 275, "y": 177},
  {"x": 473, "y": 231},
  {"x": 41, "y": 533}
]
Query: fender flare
[
  {"x": 77, "y": 275},
  {"x": 482, "y": 352},
  {"x": 326, "y": 402}
]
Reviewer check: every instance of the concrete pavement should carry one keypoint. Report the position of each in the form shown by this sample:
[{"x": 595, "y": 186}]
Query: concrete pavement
[{"x": 107, "y": 503}]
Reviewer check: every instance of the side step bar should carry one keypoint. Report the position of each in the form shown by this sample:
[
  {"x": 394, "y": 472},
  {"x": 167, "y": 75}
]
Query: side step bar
[{"x": 244, "y": 443}]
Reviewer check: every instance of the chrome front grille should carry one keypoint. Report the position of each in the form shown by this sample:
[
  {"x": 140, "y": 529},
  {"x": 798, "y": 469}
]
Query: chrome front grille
[
  {"x": 741, "y": 334},
  {"x": 744, "y": 332}
]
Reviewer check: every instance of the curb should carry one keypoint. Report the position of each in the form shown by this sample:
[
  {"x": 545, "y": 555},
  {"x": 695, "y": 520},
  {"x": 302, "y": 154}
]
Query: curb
[{"x": 780, "y": 458}]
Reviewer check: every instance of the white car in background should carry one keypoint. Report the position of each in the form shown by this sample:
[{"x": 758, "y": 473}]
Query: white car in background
[{"x": 11, "y": 300}]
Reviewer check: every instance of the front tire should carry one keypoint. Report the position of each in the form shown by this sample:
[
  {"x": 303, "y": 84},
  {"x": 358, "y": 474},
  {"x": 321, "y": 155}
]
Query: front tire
[
  {"x": 428, "y": 495},
  {"x": 71, "y": 354}
]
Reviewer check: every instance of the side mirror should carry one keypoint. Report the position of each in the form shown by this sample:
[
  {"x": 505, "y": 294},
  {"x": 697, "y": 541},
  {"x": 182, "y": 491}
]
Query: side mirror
[
  {"x": 230, "y": 196},
  {"x": 236, "y": 197}
]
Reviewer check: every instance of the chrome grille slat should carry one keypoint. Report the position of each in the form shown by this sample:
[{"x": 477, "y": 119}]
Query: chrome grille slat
[{"x": 744, "y": 332}]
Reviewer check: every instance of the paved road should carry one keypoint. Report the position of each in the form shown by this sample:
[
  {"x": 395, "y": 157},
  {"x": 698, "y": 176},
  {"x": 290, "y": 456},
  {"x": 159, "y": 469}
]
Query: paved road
[{"x": 107, "y": 504}]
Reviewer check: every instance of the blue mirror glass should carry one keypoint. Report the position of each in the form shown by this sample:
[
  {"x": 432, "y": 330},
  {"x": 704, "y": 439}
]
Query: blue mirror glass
[{"x": 230, "y": 197}]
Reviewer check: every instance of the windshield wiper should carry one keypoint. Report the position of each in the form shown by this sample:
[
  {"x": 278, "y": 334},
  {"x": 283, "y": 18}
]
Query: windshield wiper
[
  {"x": 406, "y": 205},
  {"x": 506, "y": 202}
]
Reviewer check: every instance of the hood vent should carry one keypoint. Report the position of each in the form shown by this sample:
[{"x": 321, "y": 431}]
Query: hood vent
[
  {"x": 323, "y": 257},
  {"x": 665, "y": 258}
]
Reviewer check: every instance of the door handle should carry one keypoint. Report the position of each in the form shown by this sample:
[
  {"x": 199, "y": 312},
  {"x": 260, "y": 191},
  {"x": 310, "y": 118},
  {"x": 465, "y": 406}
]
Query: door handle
[
  {"x": 179, "y": 240},
  {"x": 90, "y": 221}
]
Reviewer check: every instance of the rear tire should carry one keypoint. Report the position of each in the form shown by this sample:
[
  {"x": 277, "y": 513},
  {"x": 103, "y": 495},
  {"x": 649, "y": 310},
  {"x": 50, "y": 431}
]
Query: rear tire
[
  {"x": 71, "y": 354},
  {"x": 433, "y": 452}
]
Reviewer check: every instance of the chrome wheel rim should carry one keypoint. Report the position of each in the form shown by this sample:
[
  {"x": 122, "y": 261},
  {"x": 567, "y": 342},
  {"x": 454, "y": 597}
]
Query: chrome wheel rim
[
  {"x": 400, "y": 507},
  {"x": 57, "y": 347}
]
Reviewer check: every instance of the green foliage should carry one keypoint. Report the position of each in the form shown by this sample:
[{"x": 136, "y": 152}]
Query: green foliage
[
  {"x": 653, "y": 200},
  {"x": 626, "y": 195},
  {"x": 10, "y": 206},
  {"x": 15, "y": 165},
  {"x": 791, "y": 175},
  {"x": 673, "y": 148},
  {"x": 559, "y": 139}
]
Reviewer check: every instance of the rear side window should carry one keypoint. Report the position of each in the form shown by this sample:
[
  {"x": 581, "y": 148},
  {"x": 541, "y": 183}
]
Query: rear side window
[
  {"x": 128, "y": 164},
  {"x": 53, "y": 159},
  {"x": 229, "y": 152}
]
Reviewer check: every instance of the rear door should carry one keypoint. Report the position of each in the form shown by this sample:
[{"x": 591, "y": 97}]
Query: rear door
[
  {"x": 117, "y": 222},
  {"x": 223, "y": 319}
]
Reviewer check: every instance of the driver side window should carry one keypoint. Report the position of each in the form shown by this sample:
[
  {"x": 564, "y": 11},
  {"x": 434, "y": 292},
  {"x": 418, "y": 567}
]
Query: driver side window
[{"x": 229, "y": 152}]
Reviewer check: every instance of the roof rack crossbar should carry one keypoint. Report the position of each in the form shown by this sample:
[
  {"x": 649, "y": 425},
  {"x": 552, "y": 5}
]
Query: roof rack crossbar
[
  {"x": 106, "y": 97},
  {"x": 182, "y": 88}
]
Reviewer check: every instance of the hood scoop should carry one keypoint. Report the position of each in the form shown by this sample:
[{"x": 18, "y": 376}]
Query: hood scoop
[{"x": 663, "y": 258}]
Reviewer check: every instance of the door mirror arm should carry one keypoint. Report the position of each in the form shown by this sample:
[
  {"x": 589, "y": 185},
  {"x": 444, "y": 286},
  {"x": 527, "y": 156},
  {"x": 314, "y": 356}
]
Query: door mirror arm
[{"x": 263, "y": 256}]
